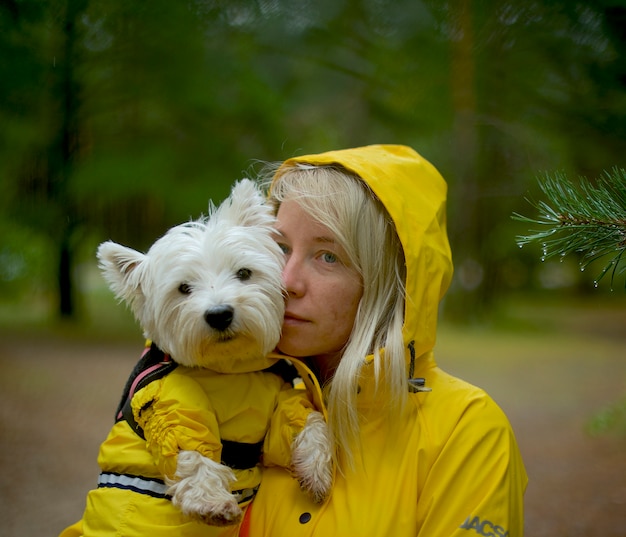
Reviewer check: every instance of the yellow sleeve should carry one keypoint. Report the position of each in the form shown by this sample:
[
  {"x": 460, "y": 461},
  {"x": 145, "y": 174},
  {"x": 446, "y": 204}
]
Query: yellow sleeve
[
  {"x": 294, "y": 405},
  {"x": 476, "y": 484},
  {"x": 176, "y": 415}
]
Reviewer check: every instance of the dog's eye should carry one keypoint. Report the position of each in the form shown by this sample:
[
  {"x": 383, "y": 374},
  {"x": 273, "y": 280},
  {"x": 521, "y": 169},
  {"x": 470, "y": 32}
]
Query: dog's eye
[
  {"x": 244, "y": 274},
  {"x": 184, "y": 288}
]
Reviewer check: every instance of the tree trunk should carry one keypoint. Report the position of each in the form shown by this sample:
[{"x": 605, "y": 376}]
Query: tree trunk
[
  {"x": 65, "y": 281},
  {"x": 464, "y": 231},
  {"x": 64, "y": 152}
]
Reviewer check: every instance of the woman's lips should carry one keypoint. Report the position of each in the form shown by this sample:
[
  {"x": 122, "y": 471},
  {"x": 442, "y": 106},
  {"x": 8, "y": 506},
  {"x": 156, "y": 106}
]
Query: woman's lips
[{"x": 292, "y": 319}]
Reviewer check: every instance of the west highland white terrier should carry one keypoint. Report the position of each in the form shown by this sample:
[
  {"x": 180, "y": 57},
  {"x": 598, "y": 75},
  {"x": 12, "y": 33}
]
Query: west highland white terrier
[{"x": 204, "y": 406}]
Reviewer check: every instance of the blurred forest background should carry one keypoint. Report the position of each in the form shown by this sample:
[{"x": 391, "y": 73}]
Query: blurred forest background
[{"x": 121, "y": 119}]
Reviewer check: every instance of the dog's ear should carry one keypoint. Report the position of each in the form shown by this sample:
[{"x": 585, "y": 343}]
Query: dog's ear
[
  {"x": 121, "y": 268},
  {"x": 246, "y": 206}
]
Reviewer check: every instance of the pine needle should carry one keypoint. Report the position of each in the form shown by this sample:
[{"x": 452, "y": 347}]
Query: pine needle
[{"x": 582, "y": 218}]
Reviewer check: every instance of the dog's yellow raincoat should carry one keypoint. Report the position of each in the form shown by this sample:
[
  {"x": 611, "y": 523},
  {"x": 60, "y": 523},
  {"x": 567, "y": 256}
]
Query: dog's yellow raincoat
[
  {"x": 181, "y": 411},
  {"x": 449, "y": 465}
]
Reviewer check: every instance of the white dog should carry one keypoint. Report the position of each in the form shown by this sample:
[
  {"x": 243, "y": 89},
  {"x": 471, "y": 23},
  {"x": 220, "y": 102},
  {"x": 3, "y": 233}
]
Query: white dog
[{"x": 193, "y": 423}]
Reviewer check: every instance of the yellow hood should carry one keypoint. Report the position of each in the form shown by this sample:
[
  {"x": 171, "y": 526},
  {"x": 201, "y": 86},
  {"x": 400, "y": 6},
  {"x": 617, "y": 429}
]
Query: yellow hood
[{"x": 414, "y": 194}]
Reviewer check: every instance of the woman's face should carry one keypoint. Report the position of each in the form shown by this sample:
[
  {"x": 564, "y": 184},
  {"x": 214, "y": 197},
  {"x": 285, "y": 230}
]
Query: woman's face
[{"x": 323, "y": 290}]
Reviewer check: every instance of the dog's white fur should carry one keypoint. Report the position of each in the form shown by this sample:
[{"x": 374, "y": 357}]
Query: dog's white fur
[
  {"x": 201, "y": 489},
  {"x": 311, "y": 458},
  {"x": 227, "y": 260},
  {"x": 206, "y": 255}
]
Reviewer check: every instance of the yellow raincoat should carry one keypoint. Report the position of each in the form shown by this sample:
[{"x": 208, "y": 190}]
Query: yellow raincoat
[
  {"x": 449, "y": 465},
  {"x": 190, "y": 409}
]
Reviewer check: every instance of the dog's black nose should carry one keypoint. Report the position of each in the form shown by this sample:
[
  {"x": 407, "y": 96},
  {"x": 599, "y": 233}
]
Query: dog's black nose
[{"x": 219, "y": 317}]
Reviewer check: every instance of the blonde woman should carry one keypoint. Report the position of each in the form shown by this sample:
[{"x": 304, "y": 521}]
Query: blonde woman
[{"x": 418, "y": 452}]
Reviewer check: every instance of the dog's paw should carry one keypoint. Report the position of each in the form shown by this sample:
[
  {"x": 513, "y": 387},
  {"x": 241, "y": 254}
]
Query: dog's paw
[
  {"x": 230, "y": 513},
  {"x": 311, "y": 458},
  {"x": 201, "y": 490}
]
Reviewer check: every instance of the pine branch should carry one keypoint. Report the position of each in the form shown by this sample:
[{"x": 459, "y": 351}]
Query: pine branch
[{"x": 585, "y": 218}]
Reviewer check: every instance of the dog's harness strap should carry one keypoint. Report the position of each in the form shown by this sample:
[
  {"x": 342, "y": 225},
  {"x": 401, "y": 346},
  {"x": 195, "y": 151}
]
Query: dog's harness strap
[
  {"x": 153, "y": 365},
  {"x": 245, "y": 495},
  {"x": 240, "y": 455},
  {"x": 284, "y": 369},
  {"x": 155, "y": 487}
]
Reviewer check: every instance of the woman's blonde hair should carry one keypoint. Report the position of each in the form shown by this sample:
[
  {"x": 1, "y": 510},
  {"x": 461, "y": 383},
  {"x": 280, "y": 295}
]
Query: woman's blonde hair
[{"x": 344, "y": 203}]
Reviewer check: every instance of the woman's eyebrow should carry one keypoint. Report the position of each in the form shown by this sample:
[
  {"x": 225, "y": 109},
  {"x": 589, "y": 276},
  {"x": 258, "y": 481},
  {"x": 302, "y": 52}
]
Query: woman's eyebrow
[{"x": 324, "y": 239}]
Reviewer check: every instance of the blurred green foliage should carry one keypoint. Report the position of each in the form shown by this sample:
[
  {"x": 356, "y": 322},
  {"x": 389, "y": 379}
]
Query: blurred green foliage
[
  {"x": 120, "y": 119},
  {"x": 24, "y": 260},
  {"x": 610, "y": 419}
]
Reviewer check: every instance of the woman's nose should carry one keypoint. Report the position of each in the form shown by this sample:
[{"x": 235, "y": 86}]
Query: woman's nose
[{"x": 293, "y": 277}]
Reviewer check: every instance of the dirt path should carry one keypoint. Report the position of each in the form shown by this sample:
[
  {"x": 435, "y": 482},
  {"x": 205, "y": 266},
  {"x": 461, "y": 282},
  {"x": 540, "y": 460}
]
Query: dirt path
[{"x": 57, "y": 399}]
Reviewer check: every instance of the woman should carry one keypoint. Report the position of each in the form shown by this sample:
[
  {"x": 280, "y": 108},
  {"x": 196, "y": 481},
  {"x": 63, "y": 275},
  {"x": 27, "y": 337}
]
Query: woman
[{"x": 418, "y": 451}]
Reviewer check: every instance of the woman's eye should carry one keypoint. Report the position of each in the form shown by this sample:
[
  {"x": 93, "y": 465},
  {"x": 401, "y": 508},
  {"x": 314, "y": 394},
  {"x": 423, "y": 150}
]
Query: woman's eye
[
  {"x": 283, "y": 247},
  {"x": 184, "y": 289},
  {"x": 329, "y": 257},
  {"x": 244, "y": 274}
]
